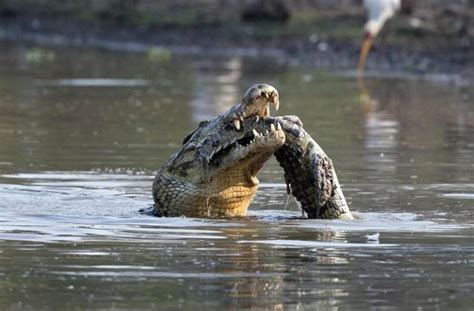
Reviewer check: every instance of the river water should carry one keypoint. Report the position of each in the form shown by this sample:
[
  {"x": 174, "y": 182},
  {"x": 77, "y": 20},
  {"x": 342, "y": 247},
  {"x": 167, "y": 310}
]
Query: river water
[{"x": 83, "y": 131}]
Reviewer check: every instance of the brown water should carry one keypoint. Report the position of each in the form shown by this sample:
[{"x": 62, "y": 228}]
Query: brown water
[{"x": 82, "y": 132}]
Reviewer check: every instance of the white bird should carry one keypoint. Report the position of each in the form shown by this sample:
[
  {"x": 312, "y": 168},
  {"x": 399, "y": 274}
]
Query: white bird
[{"x": 379, "y": 12}]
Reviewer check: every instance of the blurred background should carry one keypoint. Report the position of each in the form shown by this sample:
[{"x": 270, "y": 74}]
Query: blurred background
[
  {"x": 96, "y": 94},
  {"x": 424, "y": 35}
]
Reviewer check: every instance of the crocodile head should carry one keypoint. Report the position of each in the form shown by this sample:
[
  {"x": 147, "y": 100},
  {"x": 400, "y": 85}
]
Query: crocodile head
[
  {"x": 221, "y": 158},
  {"x": 238, "y": 139}
]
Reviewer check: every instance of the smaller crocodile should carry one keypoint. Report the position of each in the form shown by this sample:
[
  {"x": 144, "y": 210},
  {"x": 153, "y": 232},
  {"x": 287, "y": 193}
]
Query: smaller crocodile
[
  {"x": 215, "y": 172},
  {"x": 309, "y": 173}
]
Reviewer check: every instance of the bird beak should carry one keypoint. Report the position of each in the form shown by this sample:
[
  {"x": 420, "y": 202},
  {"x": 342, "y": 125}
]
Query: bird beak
[{"x": 364, "y": 52}]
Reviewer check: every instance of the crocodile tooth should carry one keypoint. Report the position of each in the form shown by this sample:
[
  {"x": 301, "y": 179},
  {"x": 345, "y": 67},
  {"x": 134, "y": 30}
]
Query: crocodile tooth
[
  {"x": 255, "y": 133},
  {"x": 257, "y": 118},
  {"x": 272, "y": 127},
  {"x": 237, "y": 124},
  {"x": 279, "y": 126},
  {"x": 276, "y": 102},
  {"x": 209, "y": 157}
]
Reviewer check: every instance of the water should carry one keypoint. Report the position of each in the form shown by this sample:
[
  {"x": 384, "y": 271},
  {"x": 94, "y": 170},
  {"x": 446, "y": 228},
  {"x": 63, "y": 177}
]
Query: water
[{"x": 83, "y": 131}]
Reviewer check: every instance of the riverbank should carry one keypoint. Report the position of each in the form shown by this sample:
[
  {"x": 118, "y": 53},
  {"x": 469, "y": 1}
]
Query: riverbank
[{"x": 330, "y": 41}]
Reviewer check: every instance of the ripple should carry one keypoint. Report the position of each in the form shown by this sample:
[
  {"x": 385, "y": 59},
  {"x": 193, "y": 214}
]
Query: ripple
[
  {"x": 52, "y": 229},
  {"x": 94, "y": 82},
  {"x": 317, "y": 244},
  {"x": 159, "y": 274},
  {"x": 469, "y": 196},
  {"x": 382, "y": 222}
]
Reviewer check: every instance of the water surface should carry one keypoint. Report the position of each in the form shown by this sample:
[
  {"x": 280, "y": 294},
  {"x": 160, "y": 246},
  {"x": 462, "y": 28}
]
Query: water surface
[{"x": 83, "y": 131}]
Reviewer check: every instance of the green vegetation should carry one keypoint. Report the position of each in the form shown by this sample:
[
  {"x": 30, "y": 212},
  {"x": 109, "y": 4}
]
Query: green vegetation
[
  {"x": 37, "y": 55},
  {"x": 158, "y": 54}
]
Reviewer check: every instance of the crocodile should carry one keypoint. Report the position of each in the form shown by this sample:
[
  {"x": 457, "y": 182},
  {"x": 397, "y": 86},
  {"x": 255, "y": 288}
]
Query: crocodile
[{"x": 214, "y": 174}]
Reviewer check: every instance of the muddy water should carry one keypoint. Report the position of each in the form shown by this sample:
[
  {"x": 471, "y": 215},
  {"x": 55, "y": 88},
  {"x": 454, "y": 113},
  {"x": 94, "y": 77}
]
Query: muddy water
[{"x": 83, "y": 131}]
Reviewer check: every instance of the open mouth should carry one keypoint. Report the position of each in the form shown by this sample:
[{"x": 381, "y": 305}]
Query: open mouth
[
  {"x": 256, "y": 103},
  {"x": 258, "y": 131},
  {"x": 244, "y": 126},
  {"x": 221, "y": 153}
]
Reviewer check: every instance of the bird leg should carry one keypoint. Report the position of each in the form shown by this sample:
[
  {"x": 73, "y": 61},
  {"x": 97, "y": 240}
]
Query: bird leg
[{"x": 364, "y": 52}]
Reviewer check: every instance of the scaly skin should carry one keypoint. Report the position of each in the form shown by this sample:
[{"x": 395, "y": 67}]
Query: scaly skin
[
  {"x": 214, "y": 174},
  {"x": 310, "y": 174},
  {"x": 223, "y": 187}
]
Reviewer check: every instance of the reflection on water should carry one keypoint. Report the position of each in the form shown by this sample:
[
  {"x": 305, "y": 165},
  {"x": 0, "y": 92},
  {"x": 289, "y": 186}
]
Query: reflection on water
[
  {"x": 94, "y": 82},
  {"x": 381, "y": 130},
  {"x": 216, "y": 87},
  {"x": 82, "y": 135}
]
